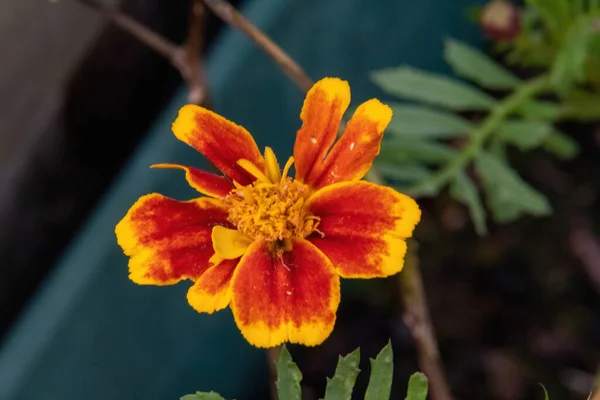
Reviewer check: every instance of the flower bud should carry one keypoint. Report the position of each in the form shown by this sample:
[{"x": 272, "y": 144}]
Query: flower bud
[{"x": 500, "y": 20}]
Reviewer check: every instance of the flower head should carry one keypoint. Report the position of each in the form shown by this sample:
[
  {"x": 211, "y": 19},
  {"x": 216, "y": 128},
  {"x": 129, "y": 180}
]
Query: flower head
[{"x": 270, "y": 246}]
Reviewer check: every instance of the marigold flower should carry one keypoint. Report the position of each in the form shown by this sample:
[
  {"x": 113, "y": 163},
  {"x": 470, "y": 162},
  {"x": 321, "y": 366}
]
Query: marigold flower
[{"x": 270, "y": 246}]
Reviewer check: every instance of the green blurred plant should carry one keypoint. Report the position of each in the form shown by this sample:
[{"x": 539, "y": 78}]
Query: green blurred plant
[
  {"x": 562, "y": 37},
  {"x": 431, "y": 145},
  {"x": 340, "y": 387}
]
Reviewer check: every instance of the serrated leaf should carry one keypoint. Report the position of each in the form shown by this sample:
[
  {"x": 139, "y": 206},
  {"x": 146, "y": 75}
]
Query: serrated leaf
[
  {"x": 424, "y": 121},
  {"x": 561, "y": 145},
  {"x": 478, "y": 67},
  {"x": 508, "y": 196},
  {"x": 407, "y": 150},
  {"x": 539, "y": 110},
  {"x": 463, "y": 190},
  {"x": 340, "y": 386},
  {"x": 288, "y": 377},
  {"x": 203, "y": 396},
  {"x": 403, "y": 172},
  {"x": 418, "y": 386},
  {"x": 425, "y": 87},
  {"x": 382, "y": 371},
  {"x": 525, "y": 135}
]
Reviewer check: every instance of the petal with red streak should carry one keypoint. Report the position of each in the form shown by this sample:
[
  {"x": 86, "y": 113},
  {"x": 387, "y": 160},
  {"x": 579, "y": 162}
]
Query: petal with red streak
[
  {"x": 204, "y": 182},
  {"x": 169, "y": 240},
  {"x": 219, "y": 140},
  {"x": 353, "y": 154},
  {"x": 288, "y": 297},
  {"x": 212, "y": 291},
  {"x": 365, "y": 227},
  {"x": 321, "y": 114}
]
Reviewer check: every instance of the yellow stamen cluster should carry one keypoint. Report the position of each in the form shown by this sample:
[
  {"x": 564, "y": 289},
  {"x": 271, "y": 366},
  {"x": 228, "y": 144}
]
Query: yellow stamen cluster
[{"x": 272, "y": 211}]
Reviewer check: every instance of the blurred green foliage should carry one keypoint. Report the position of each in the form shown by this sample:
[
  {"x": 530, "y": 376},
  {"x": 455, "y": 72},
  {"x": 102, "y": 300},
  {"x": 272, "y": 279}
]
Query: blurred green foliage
[{"x": 453, "y": 133}]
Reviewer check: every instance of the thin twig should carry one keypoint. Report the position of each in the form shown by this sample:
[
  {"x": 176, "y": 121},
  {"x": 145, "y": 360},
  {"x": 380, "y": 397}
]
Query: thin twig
[
  {"x": 193, "y": 64},
  {"x": 229, "y": 14},
  {"x": 418, "y": 320},
  {"x": 187, "y": 60},
  {"x": 586, "y": 247},
  {"x": 156, "y": 42}
]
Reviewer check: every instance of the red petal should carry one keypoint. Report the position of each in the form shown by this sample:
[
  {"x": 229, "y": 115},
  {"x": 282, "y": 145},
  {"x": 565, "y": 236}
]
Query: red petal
[
  {"x": 204, "y": 182},
  {"x": 212, "y": 291},
  {"x": 364, "y": 227},
  {"x": 292, "y": 298},
  {"x": 169, "y": 240},
  {"x": 321, "y": 114},
  {"x": 353, "y": 154},
  {"x": 218, "y": 139}
]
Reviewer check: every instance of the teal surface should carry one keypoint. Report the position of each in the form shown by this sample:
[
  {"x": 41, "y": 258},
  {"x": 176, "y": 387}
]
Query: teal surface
[{"x": 91, "y": 333}]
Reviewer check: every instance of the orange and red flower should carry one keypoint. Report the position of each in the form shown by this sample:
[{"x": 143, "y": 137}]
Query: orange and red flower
[{"x": 270, "y": 246}]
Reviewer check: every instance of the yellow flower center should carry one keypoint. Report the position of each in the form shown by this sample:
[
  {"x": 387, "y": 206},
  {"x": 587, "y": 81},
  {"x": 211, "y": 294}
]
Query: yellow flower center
[
  {"x": 273, "y": 208},
  {"x": 272, "y": 211}
]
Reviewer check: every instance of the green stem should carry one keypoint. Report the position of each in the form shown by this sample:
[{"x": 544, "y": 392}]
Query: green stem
[{"x": 479, "y": 136}]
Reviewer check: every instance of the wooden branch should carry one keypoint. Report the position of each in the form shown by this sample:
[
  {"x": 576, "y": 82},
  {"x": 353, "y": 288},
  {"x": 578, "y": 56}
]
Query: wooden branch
[
  {"x": 192, "y": 62},
  {"x": 187, "y": 60},
  {"x": 229, "y": 14},
  {"x": 418, "y": 320}
]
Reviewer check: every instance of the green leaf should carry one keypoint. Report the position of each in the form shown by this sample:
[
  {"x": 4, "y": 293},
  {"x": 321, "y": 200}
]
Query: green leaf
[
  {"x": 556, "y": 15},
  {"x": 288, "y": 377},
  {"x": 463, "y": 190},
  {"x": 571, "y": 60},
  {"x": 425, "y": 87},
  {"x": 403, "y": 172},
  {"x": 525, "y": 135},
  {"x": 417, "y": 387},
  {"x": 539, "y": 110},
  {"x": 203, "y": 396},
  {"x": 472, "y": 64},
  {"x": 508, "y": 196},
  {"x": 382, "y": 371},
  {"x": 340, "y": 386},
  {"x": 407, "y": 150},
  {"x": 561, "y": 145},
  {"x": 423, "y": 121}
]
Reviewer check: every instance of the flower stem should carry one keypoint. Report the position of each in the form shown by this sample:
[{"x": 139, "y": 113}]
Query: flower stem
[
  {"x": 418, "y": 320},
  {"x": 272, "y": 357},
  {"x": 479, "y": 136}
]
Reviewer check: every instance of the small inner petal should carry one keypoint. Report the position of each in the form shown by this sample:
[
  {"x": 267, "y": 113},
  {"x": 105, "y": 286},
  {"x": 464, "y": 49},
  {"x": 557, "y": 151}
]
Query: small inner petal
[
  {"x": 272, "y": 169},
  {"x": 253, "y": 170}
]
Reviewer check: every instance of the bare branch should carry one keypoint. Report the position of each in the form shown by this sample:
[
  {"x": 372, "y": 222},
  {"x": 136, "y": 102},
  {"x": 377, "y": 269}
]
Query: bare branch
[
  {"x": 193, "y": 65},
  {"x": 229, "y": 14},
  {"x": 418, "y": 320},
  {"x": 187, "y": 60},
  {"x": 150, "y": 38}
]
